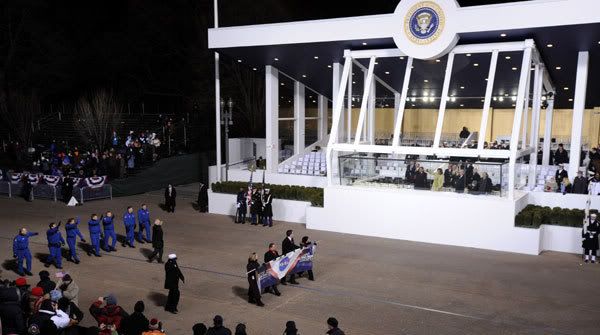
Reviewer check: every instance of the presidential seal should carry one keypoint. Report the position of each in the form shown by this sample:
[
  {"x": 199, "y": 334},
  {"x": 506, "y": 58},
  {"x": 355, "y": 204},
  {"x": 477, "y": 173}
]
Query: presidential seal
[{"x": 424, "y": 22}]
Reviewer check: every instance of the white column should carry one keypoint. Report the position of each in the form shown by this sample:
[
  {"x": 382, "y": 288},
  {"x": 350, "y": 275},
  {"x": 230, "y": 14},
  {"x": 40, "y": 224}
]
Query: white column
[
  {"x": 364, "y": 102},
  {"x": 322, "y": 127},
  {"x": 578, "y": 109},
  {"x": 519, "y": 106},
  {"x": 336, "y": 114},
  {"x": 397, "y": 98},
  {"x": 337, "y": 72},
  {"x": 535, "y": 125},
  {"x": 401, "y": 106},
  {"x": 547, "y": 133},
  {"x": 218, "y": 112},
  {"x": 526, "y": 113},
  {"x": 349, "y": 110},
  {"x": 272, "y": 118},
  {"x": 444, "y": 98},
  {"x": 488, "y": 100},
  {"x": 299, "y": 117},
  {"x": 372, "y": 106}
]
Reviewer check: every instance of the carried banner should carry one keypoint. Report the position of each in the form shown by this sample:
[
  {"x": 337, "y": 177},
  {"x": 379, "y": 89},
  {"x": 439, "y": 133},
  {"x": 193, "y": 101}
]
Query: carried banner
[
  {"x": 34, "y": 179},
  {"x": 15, "y": 178},
  {"x": 296, "y": 261}
]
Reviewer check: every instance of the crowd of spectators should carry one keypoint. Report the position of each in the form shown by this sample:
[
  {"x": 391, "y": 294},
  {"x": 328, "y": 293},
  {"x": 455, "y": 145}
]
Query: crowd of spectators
[
  {"x": 53, "y": 308},
  {"x": 462, "y": 177},
  {"x": 124, "y": 155}
]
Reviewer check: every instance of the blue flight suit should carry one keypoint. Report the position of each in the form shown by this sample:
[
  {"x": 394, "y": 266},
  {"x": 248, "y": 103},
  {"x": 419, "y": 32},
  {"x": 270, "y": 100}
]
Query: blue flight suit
[
  {"x": 72, "y": 233},
  {"x": 95, "y": 232},
  {"x": 109, "y": 232},
  {"x": 144, "y": 224},
  {"x": 129, "y": 221},
  {"x": 55, "y": 241},
  {"x": 21, "y": 250}
]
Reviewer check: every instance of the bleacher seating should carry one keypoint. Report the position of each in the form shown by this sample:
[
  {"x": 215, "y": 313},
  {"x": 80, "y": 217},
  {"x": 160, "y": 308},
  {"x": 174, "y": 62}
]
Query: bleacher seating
[{"x": 311, "y": 164}]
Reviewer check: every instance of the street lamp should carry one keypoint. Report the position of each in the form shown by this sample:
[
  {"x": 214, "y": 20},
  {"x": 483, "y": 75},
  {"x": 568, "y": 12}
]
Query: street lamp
[{"x": 227, "y": 120}]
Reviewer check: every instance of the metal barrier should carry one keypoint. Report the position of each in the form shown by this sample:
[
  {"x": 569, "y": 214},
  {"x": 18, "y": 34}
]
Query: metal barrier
[
  {"x": 5, "y": 188},
  {"x": 44, "y": 191},
  {"x": 88, "y": 193}
]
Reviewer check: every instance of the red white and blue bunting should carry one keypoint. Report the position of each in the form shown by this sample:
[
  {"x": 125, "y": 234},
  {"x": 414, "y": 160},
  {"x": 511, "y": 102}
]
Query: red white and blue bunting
[
  {"x": 34, "y": 179},
  {"x": 15, "y": 178},
  {"x": 95, "y": 182},
  {"x": 51, "y": 180}
]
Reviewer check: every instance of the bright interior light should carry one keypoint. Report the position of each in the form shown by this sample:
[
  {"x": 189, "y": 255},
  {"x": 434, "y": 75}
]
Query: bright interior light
[
  {"x": 437, "y": 60},
  {"x": 468, "y": 55},
  {"x": 503, "y": 35},
  {"x": 276, "y": 59},
  {"x": 425, "y": 81},
  {"x": 462, "y": 87},
  {"x": 514, "y": 69},
  {"x": 513, "y": 98},
  {"x": 461, "y": 105},
  {"x": 387, "y": 72},
  {"x": 364, "y": 43},
  {"x": 495, "y": 98},
  {"x": 566, "y": 88},
  {"x": 501, "y": 99},
  {"x": 239, "y": 60},
  {"x": 558, "y": 68},
  {"x": 316, "y": 57},
  {"x": 254, "y": 69},
  {"x": 507, "y": 57},
  {"x": 425, "y": 99},
  {"x": 431, "y": 99},
  {"x": 549, "y": 45},
  {"x": 476, "y": 64},
  {"x": 329, "y": 66},
  {"x": 303, "y": 76},
  {"x": 453, "y": 99}
]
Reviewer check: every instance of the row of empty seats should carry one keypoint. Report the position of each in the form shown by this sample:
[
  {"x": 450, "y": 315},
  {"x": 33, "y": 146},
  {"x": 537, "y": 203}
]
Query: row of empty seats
[{"x": 311, "y": 163}]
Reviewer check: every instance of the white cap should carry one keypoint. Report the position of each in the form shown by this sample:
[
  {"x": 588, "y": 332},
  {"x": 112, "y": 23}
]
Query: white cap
[
  {"x": 593, "y": 215},
  {"x": 172, "y": 256}
]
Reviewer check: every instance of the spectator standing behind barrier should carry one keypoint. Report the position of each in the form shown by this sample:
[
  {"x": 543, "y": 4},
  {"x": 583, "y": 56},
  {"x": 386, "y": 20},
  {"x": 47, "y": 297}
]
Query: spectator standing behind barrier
[
  {"x": 464, "y": 133},
  {"x": 420, "y": 179},
  {"x": 560, "y": 175},
  {"x": 136, "y": 323},
  {"x": 438, "y": 180},
  {"x": 565, "y": 186},
  {"x": 67, "y": 188},
  {"x": 170, "y": 198}
]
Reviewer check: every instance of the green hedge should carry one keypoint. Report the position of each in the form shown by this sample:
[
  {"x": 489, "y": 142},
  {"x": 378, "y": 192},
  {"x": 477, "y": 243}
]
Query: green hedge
[
  {"x": 300, "y": 193},
  {"x": 534, "y": 216}
]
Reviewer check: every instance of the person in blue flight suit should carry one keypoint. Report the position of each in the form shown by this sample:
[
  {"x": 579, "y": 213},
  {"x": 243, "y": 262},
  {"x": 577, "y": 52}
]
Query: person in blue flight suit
[
  {"x": 109, "y": 231},
  {"x": 144, "y": 224},
  {"x": 21, "y": 250},
  {"x": 129, "y": 221},
  {"x": 95, "y": 232},
  {"x": 72, "y": 228},
  {"x": 55, "y": 242}
]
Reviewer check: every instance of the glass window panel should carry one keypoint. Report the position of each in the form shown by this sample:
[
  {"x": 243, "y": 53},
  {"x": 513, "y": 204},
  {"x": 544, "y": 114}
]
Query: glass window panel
[
  {"x": 286, "y": 97},
  {"x": 286, "y": 139}
]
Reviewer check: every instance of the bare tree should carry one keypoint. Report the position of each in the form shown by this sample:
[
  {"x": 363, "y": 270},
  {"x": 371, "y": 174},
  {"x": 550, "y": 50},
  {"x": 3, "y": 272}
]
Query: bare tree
[
  {"x": 96, "y": 116},
  {"x": 20, "y": 112}
]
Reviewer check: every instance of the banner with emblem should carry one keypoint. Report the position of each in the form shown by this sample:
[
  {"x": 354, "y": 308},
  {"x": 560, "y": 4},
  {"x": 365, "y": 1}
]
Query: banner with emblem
[
  {"x": 15, "y": 178},
  {"x": 51, "y": 180},
  {"x": 296, "y": 261},
  {"x": 95, "y": 182}
]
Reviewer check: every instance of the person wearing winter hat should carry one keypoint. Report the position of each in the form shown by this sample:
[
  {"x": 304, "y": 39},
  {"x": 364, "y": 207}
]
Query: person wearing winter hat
[
  {"x": 35, "y": 300},
  {"x": 41, "y": 322},
  {"x": 290, "y": 328},
  {"x": 218, "y": 328},
  {"x": 70, "y": 289},
  {"x": 172, "y": 277},
  {"x": 199, "y": 329},
  {"x": 136, "y": 323},
  {"x": 45, "y": 282},
  {"x": 332, "y": 324},
  {"x": 240, "y": 329},
  {"x": 154, "y": 328},
  {"x": 21, "y": 282},
  {"x": 111, "y": 315},
  {"x": 55, "y": 295}
]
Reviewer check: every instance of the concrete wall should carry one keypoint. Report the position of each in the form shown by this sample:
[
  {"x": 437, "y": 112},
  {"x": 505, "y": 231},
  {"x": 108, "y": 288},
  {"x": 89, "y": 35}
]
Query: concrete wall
[
  {"x": 441, "y": 218},
  {"x": 283, "y": 210}
]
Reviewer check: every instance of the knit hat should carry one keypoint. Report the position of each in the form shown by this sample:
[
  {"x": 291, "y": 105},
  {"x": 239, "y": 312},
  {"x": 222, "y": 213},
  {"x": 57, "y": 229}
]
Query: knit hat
[
  {"x": 21, "y": 281},
  {"x": 172, "y": 256},
  {"x": 37, "y": 291},
  {"x": 55, "y": 295},
  {"x": 290, "y": 325},
  {"x": 199, "y": 329},
  {"x": 332, "y": 322},
  {"x": 44, "y": 274},
  {"x": 218, "y": 320},
  {"x": 111, "y": 299},
  {"x": 67, "y": 277},
  {"x": 153, "y": 324},
  {"x": 139, "y": 307}
]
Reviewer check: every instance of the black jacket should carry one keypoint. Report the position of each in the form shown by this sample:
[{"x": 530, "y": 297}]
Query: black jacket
[
  {"x": 459, "y": 183},
  {"x": 252, "y": 266},
  {"x": 173, "y": 194},
  {"x": 218, "y": 331},
  {"x": 135, "y": 324},
  {"x": 269, "y": 256},
  {"x": 10, "y": 311},
  {"x": 335, "y": 331},
  {"x": 47, "y": 285},
  {"x": 580, "y": 185},
  {"x": 288, "y": 246},
  {"x": 561, "y": 157},
  {"x": 172, "y": 275},
  {"x": 485, "y": 185},
  {"x": 560, "y": 175},
  {"x": 420, "y": 179},
  {"x": 157, "y": 237}
]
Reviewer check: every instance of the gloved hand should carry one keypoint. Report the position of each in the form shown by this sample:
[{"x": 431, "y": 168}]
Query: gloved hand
[
  {"x": 14, "y": 256},
  {"x": 83, "y": 240}
]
